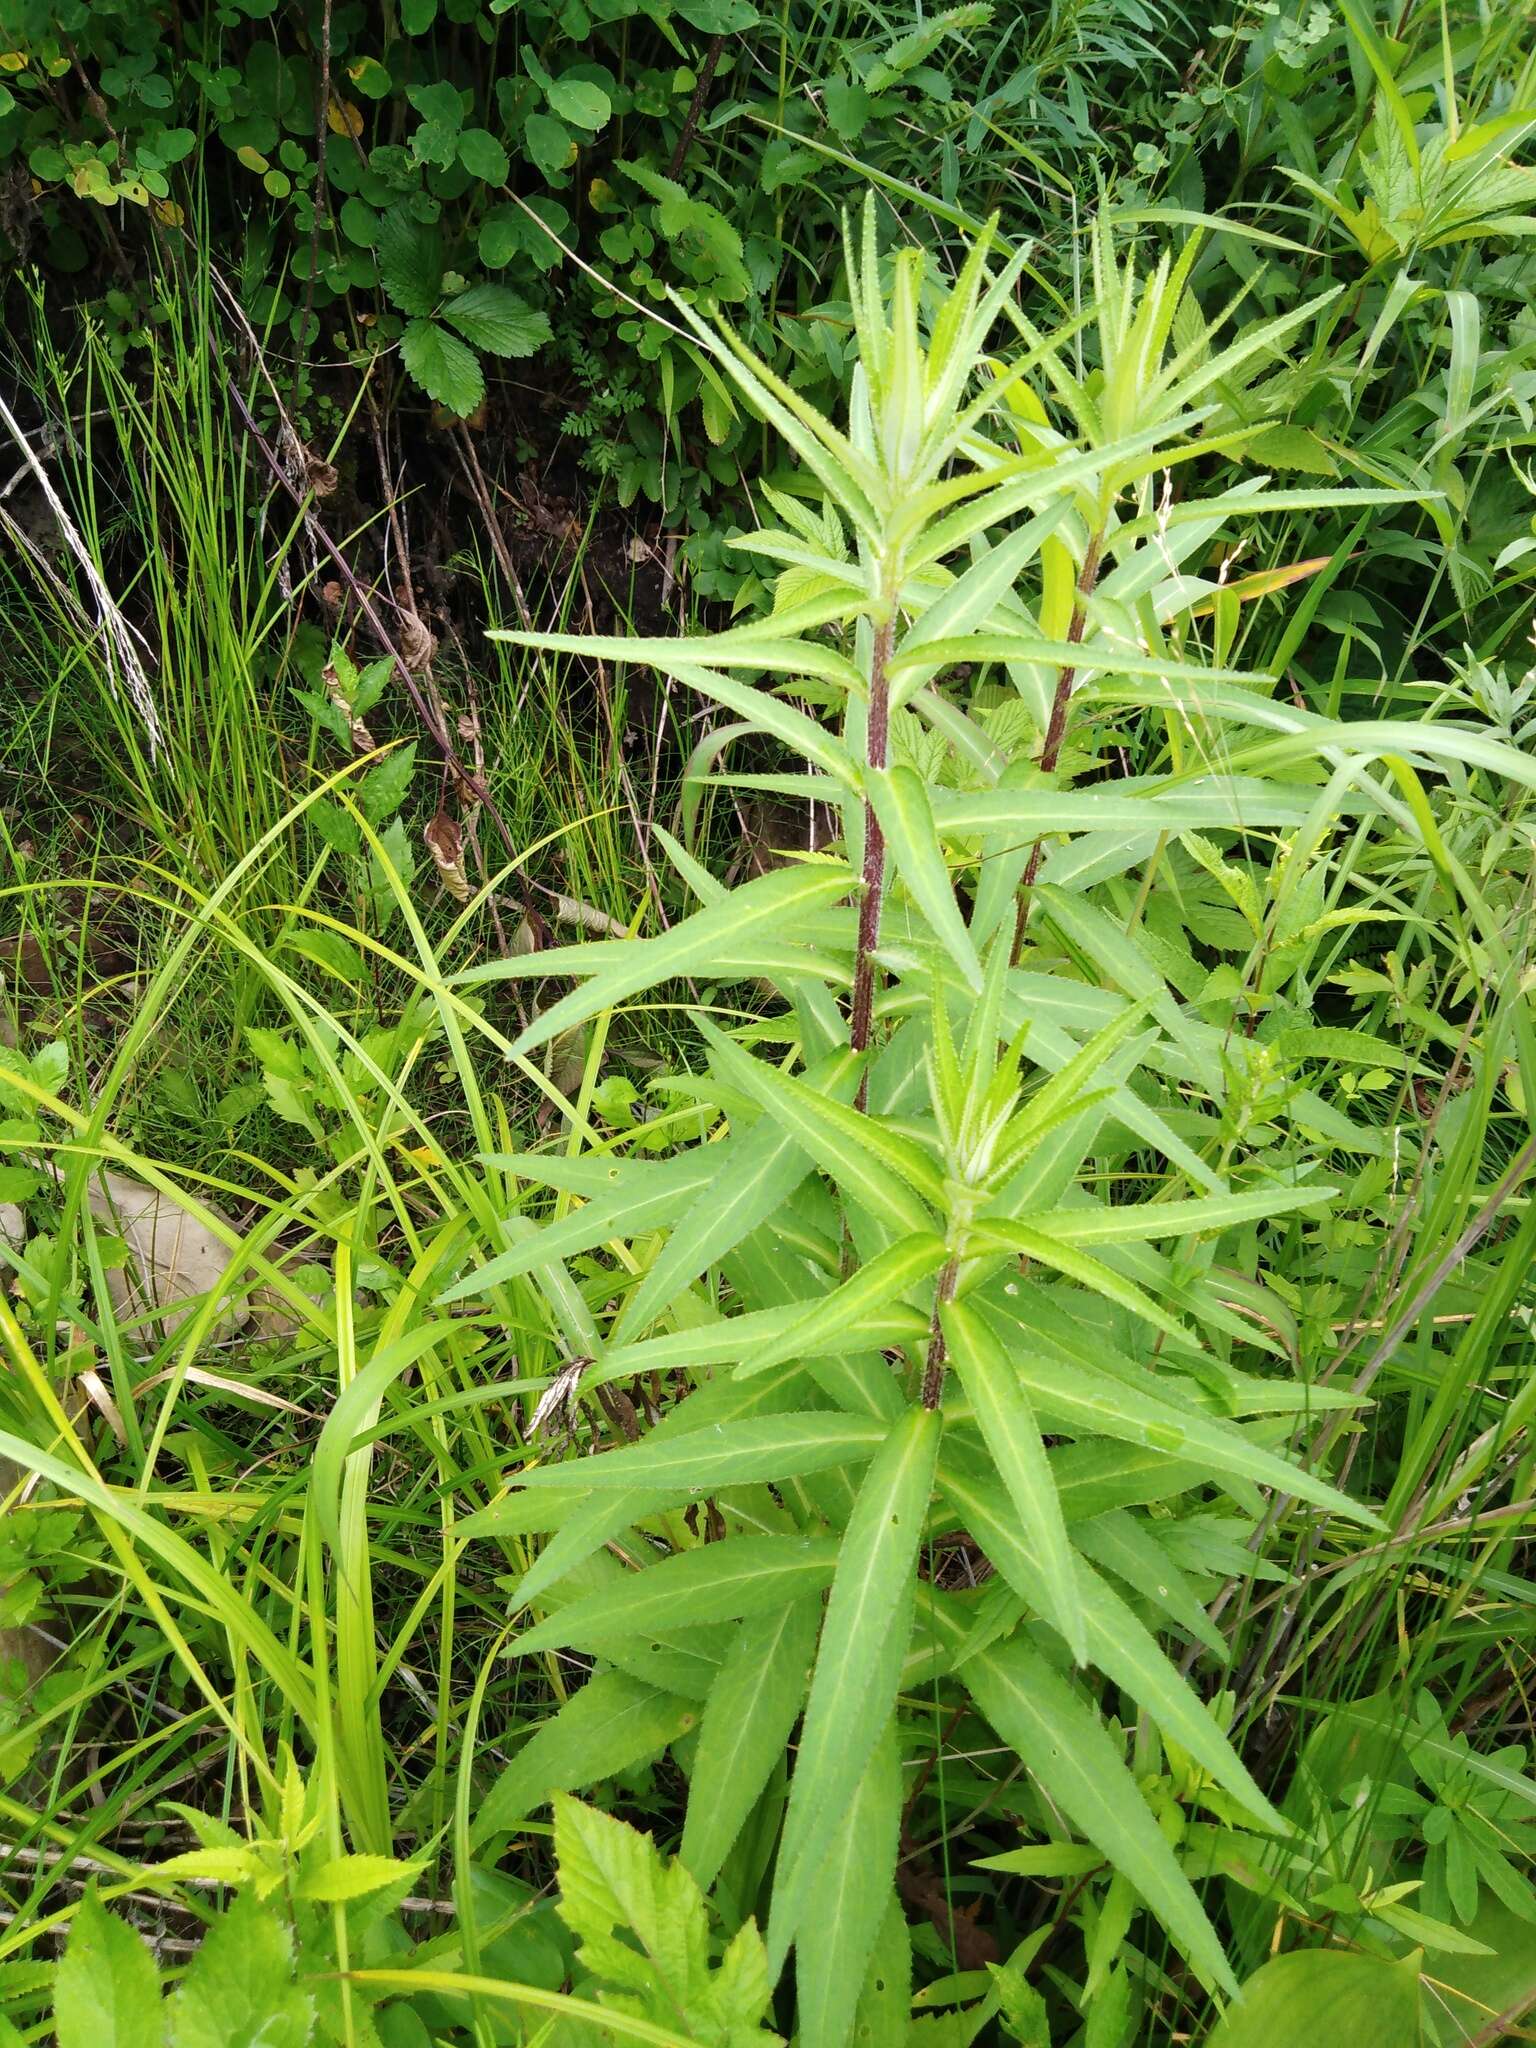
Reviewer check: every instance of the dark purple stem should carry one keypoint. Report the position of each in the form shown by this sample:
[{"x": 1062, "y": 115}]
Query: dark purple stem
[
  {"x": 938, "y": 1357},
  {"x": 1056, "y": 730},
  {"x": 861, "y": 1016}
]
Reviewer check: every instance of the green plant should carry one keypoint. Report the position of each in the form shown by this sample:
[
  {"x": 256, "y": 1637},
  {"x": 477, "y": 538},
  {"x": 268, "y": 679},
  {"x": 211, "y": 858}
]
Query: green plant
[
  {"x": 903, "y": 1292},
  {"x": 435, "y": 182},
  {"x": 1202, "y": 851}
]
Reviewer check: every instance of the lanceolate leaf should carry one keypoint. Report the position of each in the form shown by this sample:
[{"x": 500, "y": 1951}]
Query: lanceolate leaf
[
  {"x": 626, "y": 1214},
  {"x": 771, "y": 714},
  {"x": 885, "y": 2001},
  {"x": 835, "y": 1137},
  {"x": 751, "y": 1709},
  {"x": 1219, "y": 800},
  {"x": 1039, "y": 1001},
  {"x": 1003, "y": 1233},
  {"x": 1012, "y": 1435},
  {"x": 1088, "y": 1403},
  {"x": 729, "y": 1339},
  {"x": 1125, "y": 1544},
  {"x": 754, "y": 647},
  {"x": 1085, "y": 926},
  {"x": 721, "y": 1404},
  {"x": 863, "y": 1642},
  {"x": 1089, "y": 654},
  {"x": 594, "y": 1175},
  {"x": 756, "y": 1172},
  {"x": 771, "y": 1447},
  {"x": 610, "y": 1724},
  {"x": 1117, "y": 1641},
  {"x": 617, "y": 968},
  {"x": 1098, "y": 1223},
  {"x": 889, "y": 1275},
  {"x": 680, "y": 1660},
  {"x": 848, "y": 1903},
  {"x": 900, "y": 802},
  {"x": 742, "y": 1575},
  {"x": 1063, "y": 1742}
]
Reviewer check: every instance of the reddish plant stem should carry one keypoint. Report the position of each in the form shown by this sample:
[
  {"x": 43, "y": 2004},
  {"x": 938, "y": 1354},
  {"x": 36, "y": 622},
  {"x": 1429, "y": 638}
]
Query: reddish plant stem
[
  {"x": 937, "y": 1362},
  {"x": 696, "y": 104},
  {"x": 1056, "y": 728},
  {"x": 318, "y": 203},
  {"x": 877, "y": 739}
]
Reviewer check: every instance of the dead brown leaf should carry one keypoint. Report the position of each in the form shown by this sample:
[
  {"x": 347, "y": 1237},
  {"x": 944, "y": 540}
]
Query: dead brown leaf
[
  {"x": 418, "y": 644},
  {"x": 445, "y": 843},
  {"x": 362, "y": 738}
]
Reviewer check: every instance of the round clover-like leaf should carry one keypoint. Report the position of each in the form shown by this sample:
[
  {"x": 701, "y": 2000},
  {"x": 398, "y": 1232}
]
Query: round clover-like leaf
[
  {"x": 549, "y": 143},
  {"x": 483, "y": 156},
  {"x": 579, "y": 101}
]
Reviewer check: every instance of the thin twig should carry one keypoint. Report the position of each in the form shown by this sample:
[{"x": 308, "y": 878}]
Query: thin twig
[
  {"x": 117, "y": 636},
  {"x": 317, "y": 197},
  {"x": 430, "y": 717},
  {"x": 696, "y": 105},
  {"x": 469, "y": 462},
  {"x": 1056, "y": 728}
]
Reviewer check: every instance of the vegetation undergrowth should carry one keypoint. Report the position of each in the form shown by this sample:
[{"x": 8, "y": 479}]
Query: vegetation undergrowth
[{"x": 791, "y": 1301}]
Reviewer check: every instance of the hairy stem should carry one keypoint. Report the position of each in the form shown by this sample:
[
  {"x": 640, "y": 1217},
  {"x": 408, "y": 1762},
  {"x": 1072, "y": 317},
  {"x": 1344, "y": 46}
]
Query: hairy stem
[
  {"x": 937, "y": 1362},
  {"x": 1056, "y": 729},
  {"x": 861, "y": 1015},
  {"x": 696, "y": 105}
]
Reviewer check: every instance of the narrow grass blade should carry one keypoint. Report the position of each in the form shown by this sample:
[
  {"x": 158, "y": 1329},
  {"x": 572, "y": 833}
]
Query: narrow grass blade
[
  {"x": 593, "y": 2020},
  {"x": 224, "y": 1601},
  {"x": 352, "y": 1411}
]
